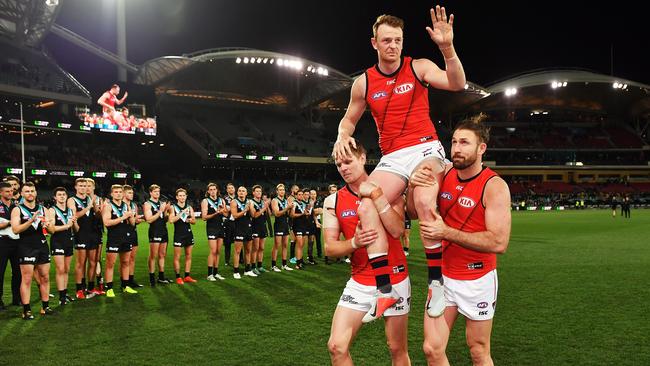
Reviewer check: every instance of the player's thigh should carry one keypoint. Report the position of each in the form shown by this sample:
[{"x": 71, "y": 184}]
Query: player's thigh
[
  {"x": 346, "y": 323},
  {"x": 397, "y": 331},
  {"x": 392, "y": 184},
  {"x": 478, "y": 333}
]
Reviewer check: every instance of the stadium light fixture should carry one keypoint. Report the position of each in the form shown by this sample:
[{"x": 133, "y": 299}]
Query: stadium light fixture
[
  {"x": 259, "y": 60},
  {"x": 266, "y": 59},
  {"x": 280, "y": 62},
  {"x": 245, "y": 60},
  {"x": 564, "y": 84},
  {"x": 511, "y": 91},
  {"x": 466, "y": 86},
  {"x": 615, "y": 85},
  {"x": 238, "y": 60},
  {"x": 271, "y": 61},
  {"x": 51, "y": 2},
  {"x": 325, "y": 72},
  {"x": 554, "y": 85}
]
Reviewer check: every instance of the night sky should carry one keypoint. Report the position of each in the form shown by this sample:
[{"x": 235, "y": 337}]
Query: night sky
[{"x": 494, "y": 40}]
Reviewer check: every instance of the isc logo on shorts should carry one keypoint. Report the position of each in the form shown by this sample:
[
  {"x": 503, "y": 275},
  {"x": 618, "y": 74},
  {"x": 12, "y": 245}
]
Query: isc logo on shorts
[
  {"x": 466, "y": 202},
  {"x": 403, "y": 88}
]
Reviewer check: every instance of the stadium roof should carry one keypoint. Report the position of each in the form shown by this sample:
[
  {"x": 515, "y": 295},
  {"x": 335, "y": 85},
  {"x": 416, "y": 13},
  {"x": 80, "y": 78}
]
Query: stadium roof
[
  {"x": 242, "y": 75},
  {"x": 570, "y": 89},
  {"x": 27, "y": 22}
]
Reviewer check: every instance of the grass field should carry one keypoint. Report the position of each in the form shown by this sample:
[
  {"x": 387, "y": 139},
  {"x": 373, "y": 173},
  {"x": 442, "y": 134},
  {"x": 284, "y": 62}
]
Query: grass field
[{"x": 573, "y": 291}]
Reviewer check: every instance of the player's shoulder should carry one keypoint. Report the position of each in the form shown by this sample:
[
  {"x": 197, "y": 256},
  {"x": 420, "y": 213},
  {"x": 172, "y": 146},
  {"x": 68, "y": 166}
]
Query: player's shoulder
[{"x": 330, "y": 201}]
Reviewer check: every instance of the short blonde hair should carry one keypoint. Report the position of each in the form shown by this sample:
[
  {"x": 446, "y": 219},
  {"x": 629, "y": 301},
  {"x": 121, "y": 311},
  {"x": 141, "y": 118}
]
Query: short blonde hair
[{"x": 389, "y": 20}]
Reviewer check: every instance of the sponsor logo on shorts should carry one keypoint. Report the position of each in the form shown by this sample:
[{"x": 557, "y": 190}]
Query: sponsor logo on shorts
[
  {"x": 383, "y": 164},
  {"x": 403, "y": 88},
  {"x": 398, "y": 269},
  {"x": 427, "y": 152},
  {"x": 466, "y": 202},
  {"x": 348, "y": 298},
  {"x": 482, "y": 305},
  {"x": 113, "y": 248},
  {"x": 156, "y": 238},
  {"x": 446, "y": 196},
  {"x": 475, "y": 265},
  {"x": 482, "y": 313},
  {"x": 379, "y": 95},
  {"x": 348, "y": 213},
  {"x": 29, "y": 259},
  {"x": 81, "y": 245},
  {"x": 212, "y": 236},
  {"x": 61, "y": 251}
]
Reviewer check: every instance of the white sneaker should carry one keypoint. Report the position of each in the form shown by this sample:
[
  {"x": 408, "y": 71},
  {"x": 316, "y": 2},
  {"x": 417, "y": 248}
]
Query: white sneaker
[
  {"x": 219, "y": 277},
  {"x": 250, "y": 274},
  {"x": 211, "y": 278},
  {"x": 237, "y": 276},
  {"x": 287, "y": 268},
  {"x": 276, "y": 269},
  {"x": 347, "y": 260},
  {"x": 435, "y": 304},
  {"x": 380, "y": 303}
]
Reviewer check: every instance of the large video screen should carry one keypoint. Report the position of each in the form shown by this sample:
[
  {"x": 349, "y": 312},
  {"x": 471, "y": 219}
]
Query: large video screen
[{"x": 121, "y": 121}]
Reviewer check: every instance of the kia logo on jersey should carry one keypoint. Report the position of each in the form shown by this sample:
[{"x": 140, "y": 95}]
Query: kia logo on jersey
[
  {"x": 379, "y": 95},
  {"x": 348, "y": 213},
  {"x": 446, "y": 196},
  {"x": 403, "y": 88},
  {"x": 466, "y": 202}
]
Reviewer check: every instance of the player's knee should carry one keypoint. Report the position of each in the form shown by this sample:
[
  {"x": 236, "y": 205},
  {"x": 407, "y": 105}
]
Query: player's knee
[
  {"x": 479, "y": 350},
  {"x": 337, "y": 348},
  {"x": 433, "y": 351},
  {"x": 397, "y": 349},
  {"x": 424, "y": 200}
]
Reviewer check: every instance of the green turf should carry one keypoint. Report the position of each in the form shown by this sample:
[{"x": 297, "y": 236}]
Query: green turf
[{"x": 572, "y": 291}]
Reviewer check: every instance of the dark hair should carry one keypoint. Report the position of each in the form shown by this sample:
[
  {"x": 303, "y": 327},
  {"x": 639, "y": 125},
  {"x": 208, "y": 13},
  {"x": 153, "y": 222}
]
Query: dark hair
[
  {"x": 476, "y": 125},
  {"x": 256, "y": 187},
  {"x": 59, "y": 189},
  {"x": 389, "y": 20},
  {"x": 5, "y": 185},
  {"x": 29, "y": 184},
  {"x": 114, "y": 86}
]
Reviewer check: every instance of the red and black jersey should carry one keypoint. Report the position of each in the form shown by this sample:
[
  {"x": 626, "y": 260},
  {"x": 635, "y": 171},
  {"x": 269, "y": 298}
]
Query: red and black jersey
[
  {"x": 399, "y": 103},
  {"x": 461, "y": 206},
  {"x": 346, "y": 206}
]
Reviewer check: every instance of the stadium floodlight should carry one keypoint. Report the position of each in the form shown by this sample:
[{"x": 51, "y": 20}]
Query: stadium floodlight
[
  {"x": 511, "y": 91},
  {"x": 280, "y": 62},
  {"x": 271, "y": 61},
  {"x": 564, "y": 84},
  {"x": 245, "y": 60},
  {"x": 143, "y": 143},
  {"x": 624, "y": 86},
  {"x": 266, "y": 59},
  {"x": 51, "y": 2},
  {"x": 309, "y": 68},
  {"x": 325, "y": 72},
  {"x": 466, "y": 86},
  {"x": 615, "y": 85},
  {"x": 299, "y": 65},
  {"x": 238, "y": 60},
  {"x": 554, "y": 85},
  {"x": 259, "y": 60}
]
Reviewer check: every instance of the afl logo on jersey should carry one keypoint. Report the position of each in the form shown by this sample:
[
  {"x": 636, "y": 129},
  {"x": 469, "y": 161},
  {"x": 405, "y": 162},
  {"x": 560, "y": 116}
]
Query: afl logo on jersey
[
  {"x": 466, "y": 202},
  {"x": 348, "y": 213},
  {"x": 403, "y": 88},
  {"x": 379, "y": 95},
  {"x": 446, "y": 196}
]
